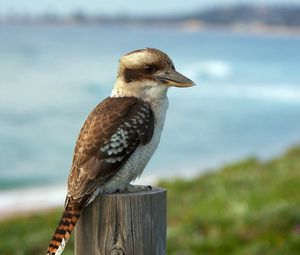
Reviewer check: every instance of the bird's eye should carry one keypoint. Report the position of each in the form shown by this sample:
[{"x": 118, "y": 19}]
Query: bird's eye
[
  {"x": 172, "y": 67},
  {"x": 149, "y": 69}
]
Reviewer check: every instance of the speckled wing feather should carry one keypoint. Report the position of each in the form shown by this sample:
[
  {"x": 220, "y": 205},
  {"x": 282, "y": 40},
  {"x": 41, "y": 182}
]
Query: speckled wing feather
[{"x": 111, "y": 133}]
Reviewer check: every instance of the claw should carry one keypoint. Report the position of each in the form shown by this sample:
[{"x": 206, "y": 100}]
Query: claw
[{"x": 137, "y": 188}]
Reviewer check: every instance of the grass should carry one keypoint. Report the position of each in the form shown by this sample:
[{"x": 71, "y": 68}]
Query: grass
[{"x": 248, "y": 208}]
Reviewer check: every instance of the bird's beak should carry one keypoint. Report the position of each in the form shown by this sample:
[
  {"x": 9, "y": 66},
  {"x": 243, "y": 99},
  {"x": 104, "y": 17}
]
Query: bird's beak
[{"x": 173, "y": 78}]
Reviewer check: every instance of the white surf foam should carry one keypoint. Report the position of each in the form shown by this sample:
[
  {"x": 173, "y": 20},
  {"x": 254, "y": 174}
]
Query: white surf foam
[
  {"x": 25, "y": 200},
  {"x": 272, "y": 92},
  {"x": 217, "y": 69},
  {"x": 19, "y": 201},
  {"x": 211, "y": 68}
]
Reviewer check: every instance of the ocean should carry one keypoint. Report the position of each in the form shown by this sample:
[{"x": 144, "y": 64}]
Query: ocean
[{"x": 246, "y": 102}]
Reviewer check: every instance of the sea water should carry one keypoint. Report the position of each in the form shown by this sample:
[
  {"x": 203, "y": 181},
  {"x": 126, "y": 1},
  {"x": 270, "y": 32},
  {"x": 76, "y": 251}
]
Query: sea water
[{"x": 246, "y": 102}]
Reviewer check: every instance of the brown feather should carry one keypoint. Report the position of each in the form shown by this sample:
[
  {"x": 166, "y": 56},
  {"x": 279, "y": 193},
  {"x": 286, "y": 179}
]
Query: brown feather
[
  {"x": 66, "y": 225},
  {"x": 92, "y": 165}
]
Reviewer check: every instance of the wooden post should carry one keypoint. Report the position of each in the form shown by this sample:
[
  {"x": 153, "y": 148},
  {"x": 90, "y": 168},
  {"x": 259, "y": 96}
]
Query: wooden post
[{"x": 123, "y": 223}]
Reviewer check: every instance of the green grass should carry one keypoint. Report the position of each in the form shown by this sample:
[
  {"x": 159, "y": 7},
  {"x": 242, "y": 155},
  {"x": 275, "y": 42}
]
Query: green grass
[
  {"x": 248, "y": 208},
  {"x": 29, "y": 235}
]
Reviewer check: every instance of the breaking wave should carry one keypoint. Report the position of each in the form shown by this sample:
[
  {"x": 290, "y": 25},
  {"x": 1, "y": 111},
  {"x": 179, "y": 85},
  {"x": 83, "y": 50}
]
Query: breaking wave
[
  {"x": 217, "y": 76},
  {"x": 212, "y": 68},
  {"x": 270, "y": 92}
]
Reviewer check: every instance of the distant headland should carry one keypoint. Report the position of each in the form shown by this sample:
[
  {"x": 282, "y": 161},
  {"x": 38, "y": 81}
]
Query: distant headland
[{"x": 256, "y": 18}]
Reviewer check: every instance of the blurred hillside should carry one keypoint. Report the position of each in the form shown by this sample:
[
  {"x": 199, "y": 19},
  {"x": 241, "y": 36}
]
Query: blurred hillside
[
  {"x": 247, "y": 14},
  {"x": 246, "y": 208},
  {"x": 271, "y": 15}
]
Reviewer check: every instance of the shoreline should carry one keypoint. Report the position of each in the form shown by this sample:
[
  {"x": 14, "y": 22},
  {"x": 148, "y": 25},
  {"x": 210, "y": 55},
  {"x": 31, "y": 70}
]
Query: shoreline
[
  {"x": 42, "y": 198},
  {"x": 243, "y": 29},
  {"x": 18, "y": 202},
  {"x": 38, "y": 199},
  {"x": 186, "y": 26}
]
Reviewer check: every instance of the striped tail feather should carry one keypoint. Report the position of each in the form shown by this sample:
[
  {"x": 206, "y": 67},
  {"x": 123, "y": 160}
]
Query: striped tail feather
[{"x": 63, "y": 231}]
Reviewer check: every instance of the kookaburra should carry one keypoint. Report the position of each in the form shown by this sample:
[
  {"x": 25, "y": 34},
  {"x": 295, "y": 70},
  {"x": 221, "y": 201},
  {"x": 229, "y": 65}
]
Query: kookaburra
[{"x": 120, "y": 135}]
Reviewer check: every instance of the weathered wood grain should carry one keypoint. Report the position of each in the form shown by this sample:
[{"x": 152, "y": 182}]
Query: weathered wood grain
[{"x": 125, "y": 223}]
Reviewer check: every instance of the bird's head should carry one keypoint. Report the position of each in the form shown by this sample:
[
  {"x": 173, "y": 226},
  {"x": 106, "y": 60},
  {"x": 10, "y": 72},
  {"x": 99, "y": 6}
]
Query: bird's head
[{"x": 147, "y": 73}]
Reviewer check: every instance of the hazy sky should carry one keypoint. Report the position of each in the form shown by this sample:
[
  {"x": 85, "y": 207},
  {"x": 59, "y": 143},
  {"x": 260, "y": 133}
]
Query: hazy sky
[{"x": 116, "y": 6}]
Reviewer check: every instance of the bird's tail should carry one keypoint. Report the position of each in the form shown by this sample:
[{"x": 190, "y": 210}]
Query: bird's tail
[{"x": 63, "y": 231}]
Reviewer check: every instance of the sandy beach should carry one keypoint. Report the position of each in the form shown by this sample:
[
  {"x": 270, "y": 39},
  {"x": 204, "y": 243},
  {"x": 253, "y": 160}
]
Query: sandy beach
[{"x": 23, "y": 201}]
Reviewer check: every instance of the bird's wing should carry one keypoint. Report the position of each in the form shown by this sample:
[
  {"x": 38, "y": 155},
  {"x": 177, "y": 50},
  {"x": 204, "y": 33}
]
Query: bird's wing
[{"x": 111, "y": 133}]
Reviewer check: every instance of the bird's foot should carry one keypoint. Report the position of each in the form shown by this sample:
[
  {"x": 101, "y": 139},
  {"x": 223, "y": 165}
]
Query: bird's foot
[{"x": 137, "y": 188}]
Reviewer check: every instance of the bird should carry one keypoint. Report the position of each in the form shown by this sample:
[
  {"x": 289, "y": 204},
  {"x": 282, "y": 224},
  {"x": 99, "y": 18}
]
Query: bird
[{"x": 119, "y": 136}]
